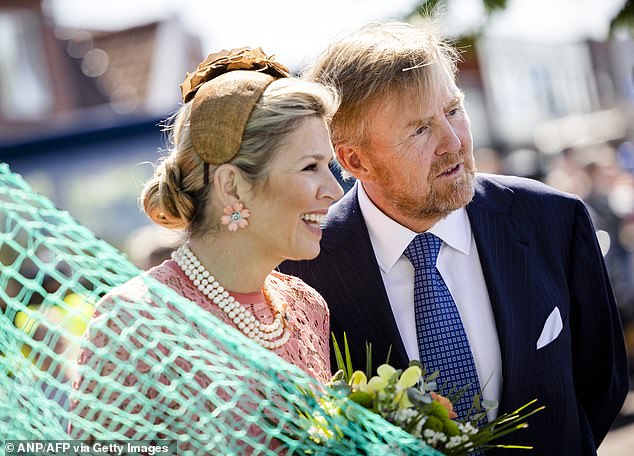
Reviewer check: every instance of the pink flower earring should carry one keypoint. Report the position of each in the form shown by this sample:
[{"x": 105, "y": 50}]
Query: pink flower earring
[{"x": 235, "y": 216}]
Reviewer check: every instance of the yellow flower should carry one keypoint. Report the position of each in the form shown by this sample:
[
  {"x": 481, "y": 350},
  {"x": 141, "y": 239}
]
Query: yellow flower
[
  {"x": 358, "y": 381},
  {"x": 385, "y": 371},
  {"x": 376, "y": 385},
  {"x": 408, "y": 378}
]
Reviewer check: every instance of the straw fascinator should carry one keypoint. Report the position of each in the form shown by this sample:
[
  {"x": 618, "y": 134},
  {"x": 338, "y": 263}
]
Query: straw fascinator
[{"x": 224, "y": 89}]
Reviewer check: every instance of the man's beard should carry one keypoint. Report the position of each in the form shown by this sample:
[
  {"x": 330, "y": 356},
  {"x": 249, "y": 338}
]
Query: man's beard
[
  {"x": 438, "y": 202},
  {"x": 457, "y": 195}
]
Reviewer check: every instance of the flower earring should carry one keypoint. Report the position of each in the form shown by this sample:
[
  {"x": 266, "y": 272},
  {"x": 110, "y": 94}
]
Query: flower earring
[{"x": 235, "y": 216}]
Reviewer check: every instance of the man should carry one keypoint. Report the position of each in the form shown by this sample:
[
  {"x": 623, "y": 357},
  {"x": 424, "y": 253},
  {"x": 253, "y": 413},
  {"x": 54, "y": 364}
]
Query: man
[{"x": 520, "y": 260}]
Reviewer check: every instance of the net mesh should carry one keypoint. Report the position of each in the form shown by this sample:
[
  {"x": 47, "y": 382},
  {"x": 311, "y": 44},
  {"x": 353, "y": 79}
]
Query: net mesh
[{"x": 160, "y": 368}]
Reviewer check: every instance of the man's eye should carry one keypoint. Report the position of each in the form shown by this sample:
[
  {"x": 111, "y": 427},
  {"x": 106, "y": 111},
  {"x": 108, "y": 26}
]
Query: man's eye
[
  {"x": 420, "y": 130},
  {"x": 311, "y": 167}
]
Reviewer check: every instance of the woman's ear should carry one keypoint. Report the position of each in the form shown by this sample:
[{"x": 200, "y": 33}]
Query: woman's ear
[
  {"x": 350, "y": 159},
  {"x": 226, "y": 183}
]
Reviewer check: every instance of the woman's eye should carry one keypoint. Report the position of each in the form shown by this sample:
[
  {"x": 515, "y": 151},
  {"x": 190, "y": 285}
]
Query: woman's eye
[
  {"x": 311, "y": 167},
  {"x": 453, "y": 112}
]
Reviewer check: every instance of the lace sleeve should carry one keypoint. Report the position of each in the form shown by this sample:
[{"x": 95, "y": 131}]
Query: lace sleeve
[{"x": 309, "y": 320}]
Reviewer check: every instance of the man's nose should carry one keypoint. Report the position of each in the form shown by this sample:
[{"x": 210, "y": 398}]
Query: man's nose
[{"x": 450, "y": 140}]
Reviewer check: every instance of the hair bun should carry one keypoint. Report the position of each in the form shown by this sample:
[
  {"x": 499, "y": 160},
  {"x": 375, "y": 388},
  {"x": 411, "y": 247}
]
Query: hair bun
[{"x": 225, "y": 61}]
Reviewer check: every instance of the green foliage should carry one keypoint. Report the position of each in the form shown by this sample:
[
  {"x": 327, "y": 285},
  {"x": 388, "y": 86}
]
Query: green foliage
[
  {"x": 344, "y": 366},
  {"x": 625, "y": 17},
  {"x": 409, "y": 400},
  {"x": 450, "y": 428},
  {"x": 424, "y": 7},
  {"x": 437, "y": 410},
  {"x": 493, "y": 5}
]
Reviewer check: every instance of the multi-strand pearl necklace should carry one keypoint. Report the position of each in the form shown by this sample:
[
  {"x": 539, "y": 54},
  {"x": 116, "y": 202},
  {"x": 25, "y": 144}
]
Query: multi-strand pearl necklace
[{"x": 270, "y": 336}]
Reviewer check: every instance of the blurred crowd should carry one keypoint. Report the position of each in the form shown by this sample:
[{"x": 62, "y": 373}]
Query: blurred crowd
[{"x": 603, "y": 175}]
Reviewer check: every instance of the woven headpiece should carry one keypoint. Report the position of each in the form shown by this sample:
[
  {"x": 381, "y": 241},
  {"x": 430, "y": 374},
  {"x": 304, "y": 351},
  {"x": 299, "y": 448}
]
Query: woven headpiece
[{"x": 224, "y": 89}]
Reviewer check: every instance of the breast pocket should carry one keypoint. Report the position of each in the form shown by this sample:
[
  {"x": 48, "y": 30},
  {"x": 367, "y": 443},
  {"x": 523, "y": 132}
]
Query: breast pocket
[{"x": 553, "y": 344}]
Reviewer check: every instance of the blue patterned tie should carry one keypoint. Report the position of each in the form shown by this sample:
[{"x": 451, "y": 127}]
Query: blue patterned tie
[{"x": 442, "y": 341}]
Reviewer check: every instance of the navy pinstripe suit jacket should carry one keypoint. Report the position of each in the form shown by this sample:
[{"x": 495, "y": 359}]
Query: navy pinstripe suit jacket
[{"x": 538, "y": 251}]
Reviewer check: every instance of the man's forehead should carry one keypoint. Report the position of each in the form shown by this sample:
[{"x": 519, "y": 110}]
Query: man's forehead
[{"x": 424, "y": 103}]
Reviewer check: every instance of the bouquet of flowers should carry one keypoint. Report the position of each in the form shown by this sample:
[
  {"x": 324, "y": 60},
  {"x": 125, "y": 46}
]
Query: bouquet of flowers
[{"x": 409, "y": 399}]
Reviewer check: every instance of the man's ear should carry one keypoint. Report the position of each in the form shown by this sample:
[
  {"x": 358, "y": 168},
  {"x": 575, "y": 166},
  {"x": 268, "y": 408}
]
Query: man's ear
[{"x": 351, "y": 159}]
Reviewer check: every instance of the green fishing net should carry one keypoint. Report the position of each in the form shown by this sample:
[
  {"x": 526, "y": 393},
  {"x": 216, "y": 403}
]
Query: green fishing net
[{"x": 161, "y": 369}]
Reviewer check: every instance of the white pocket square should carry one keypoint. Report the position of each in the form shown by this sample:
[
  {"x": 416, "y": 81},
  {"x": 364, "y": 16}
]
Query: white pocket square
[{"x": 552, "y": 328}]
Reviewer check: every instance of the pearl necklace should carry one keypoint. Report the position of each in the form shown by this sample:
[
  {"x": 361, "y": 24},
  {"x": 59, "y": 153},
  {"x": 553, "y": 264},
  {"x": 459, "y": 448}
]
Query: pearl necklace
[{"x": 270, "y": 336}]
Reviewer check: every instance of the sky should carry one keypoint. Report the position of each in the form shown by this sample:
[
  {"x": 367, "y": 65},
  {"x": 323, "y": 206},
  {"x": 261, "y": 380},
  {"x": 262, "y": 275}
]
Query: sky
[{"x": 296, "y": 30}]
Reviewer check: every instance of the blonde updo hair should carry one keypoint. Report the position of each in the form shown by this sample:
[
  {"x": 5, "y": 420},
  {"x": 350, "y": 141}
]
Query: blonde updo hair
[{"x": 176, "y": 196}]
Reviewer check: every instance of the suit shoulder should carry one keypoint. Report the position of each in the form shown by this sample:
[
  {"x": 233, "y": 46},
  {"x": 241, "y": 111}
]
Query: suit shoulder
[
  {"x": 526, "y": 199},
  {"x": 524, "y": 188}
]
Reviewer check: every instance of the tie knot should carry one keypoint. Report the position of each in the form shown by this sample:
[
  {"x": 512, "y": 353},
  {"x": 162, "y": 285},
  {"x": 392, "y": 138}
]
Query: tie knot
[{"x": 422, "y": 252}]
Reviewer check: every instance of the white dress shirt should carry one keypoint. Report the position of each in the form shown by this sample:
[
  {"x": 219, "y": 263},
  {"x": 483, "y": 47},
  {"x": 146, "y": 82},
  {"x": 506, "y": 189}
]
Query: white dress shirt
[{"x": 459, "y": 265}]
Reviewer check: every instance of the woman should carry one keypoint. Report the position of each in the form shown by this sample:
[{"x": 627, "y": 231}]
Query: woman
[{"x": 247, "y": 178}]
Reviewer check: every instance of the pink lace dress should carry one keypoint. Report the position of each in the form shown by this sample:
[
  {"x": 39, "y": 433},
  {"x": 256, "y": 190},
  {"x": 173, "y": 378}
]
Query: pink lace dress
[
  {"x": 307, "y": 319},
  {"x": 307, "y": 315}
]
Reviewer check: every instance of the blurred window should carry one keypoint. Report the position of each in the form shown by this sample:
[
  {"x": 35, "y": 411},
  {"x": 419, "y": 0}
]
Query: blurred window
[{"x": 25, "y": 92}]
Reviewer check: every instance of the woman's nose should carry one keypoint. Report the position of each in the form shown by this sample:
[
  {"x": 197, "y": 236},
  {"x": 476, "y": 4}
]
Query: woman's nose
[{"x": 331, "y": 188}]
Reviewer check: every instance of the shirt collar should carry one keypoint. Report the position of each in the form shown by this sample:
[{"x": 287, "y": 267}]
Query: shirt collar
[{"x": 390, "y": 238}]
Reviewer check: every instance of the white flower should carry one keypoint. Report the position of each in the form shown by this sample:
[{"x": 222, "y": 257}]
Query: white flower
[
  {"x": 419, "y": 426},
  {"x": 467, "y": 428},
  {"x": 432, "y": 438},
  {"x": 319, "y": 431},
  {"x": 403, "y": 415},
  {"x": 330, "y": 408},
  {"x": 454, "y": 442},
  {"x": 319, "y": 434}
]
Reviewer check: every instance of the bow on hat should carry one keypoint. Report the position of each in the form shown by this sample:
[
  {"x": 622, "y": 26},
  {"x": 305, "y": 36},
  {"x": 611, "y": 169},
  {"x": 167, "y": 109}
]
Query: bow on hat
[{"x": 223, "y": 90}]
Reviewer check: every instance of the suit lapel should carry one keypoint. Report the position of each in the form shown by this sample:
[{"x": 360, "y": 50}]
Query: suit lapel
[
  {"x": 504, "y": 248},
  {"x": 368, "y": 314}
]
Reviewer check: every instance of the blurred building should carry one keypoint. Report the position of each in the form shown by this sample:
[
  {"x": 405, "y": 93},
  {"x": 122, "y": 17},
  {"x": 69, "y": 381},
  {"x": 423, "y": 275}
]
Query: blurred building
[
  {"x": 555, "y": 96},
  {"x": 53, "y": 80},
  {"x": 80, "y": 110}
]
